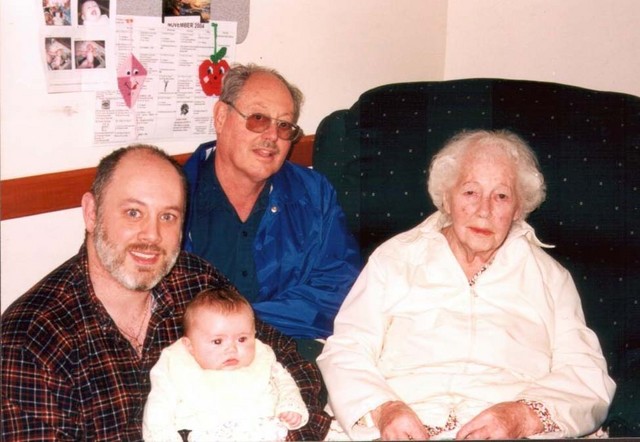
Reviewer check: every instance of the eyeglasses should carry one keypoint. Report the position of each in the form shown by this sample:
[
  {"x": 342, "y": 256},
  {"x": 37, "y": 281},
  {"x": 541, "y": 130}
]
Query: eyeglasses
[{"x": 259, "y": 123}]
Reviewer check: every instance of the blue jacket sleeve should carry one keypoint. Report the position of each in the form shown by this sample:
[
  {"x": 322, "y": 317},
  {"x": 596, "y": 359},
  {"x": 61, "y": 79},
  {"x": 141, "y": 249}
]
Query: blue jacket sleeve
[{"x": 307, "y": 261}]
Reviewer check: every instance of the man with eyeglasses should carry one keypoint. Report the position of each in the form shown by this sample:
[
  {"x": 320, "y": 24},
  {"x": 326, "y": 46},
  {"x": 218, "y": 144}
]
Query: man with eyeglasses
[{"x": 274, "y": 228}]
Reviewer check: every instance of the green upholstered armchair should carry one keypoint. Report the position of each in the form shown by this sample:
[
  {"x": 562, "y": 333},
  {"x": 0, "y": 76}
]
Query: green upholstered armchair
[{"x": 588, "y": 142}]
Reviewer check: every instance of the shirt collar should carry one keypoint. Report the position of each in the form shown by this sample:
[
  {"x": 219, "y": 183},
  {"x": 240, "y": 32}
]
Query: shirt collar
[{"x": 212, "y": 197}]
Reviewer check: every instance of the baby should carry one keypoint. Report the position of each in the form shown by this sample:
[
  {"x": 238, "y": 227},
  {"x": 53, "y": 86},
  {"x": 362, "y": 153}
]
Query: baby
[
  {"x": 89, "y": 58},
  {"x": 218, "y": 382},
  {"x": 91, "y": 14},
  {"x": 55, "y": 62},
  {"x": 58, "y": 20}
]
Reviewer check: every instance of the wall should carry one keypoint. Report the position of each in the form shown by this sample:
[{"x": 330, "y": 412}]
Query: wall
[
  {"x": 335, "y": 50},
  {"x": 588, "y": 43},
  {"x": 332, "y": 50}
]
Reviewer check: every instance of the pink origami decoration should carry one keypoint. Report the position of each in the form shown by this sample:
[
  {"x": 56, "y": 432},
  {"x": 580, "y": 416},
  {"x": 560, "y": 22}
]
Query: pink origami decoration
[{"x": 131, "y": 76}]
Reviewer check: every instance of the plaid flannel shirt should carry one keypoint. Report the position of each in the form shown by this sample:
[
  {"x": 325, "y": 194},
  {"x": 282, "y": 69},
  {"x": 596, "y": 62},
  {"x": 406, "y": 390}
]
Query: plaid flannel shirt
[{"x": 69, "y": 374}]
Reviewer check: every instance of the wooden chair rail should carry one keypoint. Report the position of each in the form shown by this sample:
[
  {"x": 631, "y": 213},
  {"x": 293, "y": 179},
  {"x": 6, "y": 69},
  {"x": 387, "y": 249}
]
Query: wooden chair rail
[{"x": 63, "y": 190}]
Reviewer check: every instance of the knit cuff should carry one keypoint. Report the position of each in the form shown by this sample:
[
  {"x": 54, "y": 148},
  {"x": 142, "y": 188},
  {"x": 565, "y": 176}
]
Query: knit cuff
[{"x": 548, "y": 425}]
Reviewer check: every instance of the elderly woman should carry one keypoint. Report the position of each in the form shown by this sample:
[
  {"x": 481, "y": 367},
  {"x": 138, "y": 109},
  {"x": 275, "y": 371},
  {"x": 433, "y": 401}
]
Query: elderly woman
[{"x": 463, "y": 327}]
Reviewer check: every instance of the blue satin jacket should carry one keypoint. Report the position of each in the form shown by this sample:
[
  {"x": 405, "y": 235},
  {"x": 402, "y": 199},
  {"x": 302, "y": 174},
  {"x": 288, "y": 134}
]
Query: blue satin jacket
[{"x": 306, "y": 259}]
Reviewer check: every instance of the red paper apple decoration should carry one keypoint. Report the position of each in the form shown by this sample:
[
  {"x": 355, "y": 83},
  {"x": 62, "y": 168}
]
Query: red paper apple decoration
[
  {"x": 211, "y": 73},
  {"x": 212, "y": 70}
]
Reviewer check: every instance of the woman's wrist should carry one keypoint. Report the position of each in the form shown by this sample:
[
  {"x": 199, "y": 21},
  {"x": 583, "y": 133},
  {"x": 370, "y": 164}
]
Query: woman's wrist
[{"x": 377, "y": 412}]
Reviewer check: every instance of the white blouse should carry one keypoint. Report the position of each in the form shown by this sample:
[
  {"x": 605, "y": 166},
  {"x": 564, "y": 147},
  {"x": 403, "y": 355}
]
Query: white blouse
[{"x": 413, "y": 329}]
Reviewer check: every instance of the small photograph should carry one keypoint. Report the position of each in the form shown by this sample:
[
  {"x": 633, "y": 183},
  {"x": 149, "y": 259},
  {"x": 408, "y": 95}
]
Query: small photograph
[
  {"x": 57, "y": 12},
  {"x": 58, "y": 53},
  {"x": 93, "y": 12},
  {"x": 90, "y": 54},
  {"x": 177, "y": 8},
  {"x": 184, "y": 109}
]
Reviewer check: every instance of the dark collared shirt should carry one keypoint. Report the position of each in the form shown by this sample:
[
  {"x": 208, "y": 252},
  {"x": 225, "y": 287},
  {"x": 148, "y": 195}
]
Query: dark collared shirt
[
  {"x": 69, "y": 374},
  {"x": 220, "y": 237}
]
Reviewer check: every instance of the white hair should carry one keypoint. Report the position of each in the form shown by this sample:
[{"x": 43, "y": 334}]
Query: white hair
[{"x": 446, "y": 164}]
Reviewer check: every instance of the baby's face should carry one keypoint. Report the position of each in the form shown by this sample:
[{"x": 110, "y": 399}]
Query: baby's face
[
  {"x": 222, "y": 341},
  {"x": 90, "y": 11}
]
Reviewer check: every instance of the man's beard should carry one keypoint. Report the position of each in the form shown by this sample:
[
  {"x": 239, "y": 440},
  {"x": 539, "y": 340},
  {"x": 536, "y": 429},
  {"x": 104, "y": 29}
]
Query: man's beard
[{"x": 114, "y": 261}]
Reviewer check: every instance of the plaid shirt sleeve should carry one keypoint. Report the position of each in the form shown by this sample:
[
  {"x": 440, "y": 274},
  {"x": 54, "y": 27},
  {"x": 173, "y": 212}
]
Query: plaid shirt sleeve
[
  {"x": 306, "y": 375},
  {"x": 34, "y": 405}
]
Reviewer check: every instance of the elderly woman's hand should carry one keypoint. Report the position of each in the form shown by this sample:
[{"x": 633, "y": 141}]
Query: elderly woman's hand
[
  {"x": 396, "y": 421},
  {"x": 506, "y": 420}
]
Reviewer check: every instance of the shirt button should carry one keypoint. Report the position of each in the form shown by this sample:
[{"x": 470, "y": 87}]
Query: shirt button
[
  {"x": 274, "y": 209},
  {"x": 245, "y": 233},
  {"x": 245, "y": 273}
]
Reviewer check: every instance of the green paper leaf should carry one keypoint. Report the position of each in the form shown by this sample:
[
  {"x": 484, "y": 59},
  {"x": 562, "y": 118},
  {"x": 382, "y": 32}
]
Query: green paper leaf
[{"x": 219, "y": 55}]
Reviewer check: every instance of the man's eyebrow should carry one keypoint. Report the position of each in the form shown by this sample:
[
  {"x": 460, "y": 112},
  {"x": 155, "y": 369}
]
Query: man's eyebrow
[
  {"x": 142, "y": 203},
  {"x": 176, "y": 208},
  {"x": 133, "y": 201}
]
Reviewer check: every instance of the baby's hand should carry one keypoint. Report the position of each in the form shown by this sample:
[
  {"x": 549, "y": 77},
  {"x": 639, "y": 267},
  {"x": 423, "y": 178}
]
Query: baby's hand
[{"x": 291, "y": 418}]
